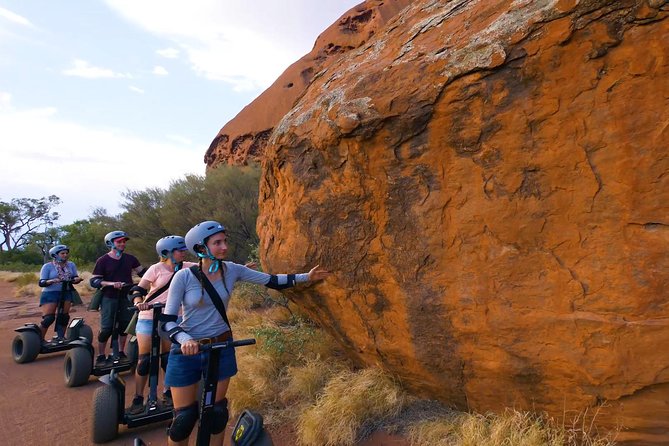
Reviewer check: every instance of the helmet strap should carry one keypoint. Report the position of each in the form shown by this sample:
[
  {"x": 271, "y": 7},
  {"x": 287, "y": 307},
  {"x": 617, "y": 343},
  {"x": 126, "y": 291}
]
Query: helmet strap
[
  {"x": 117, "y": 252},
  {"x": 214, "y": 265}
]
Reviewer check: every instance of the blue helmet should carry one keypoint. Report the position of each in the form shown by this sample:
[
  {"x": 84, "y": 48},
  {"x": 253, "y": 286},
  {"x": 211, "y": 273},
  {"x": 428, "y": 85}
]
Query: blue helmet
[
  {"x": 166, "y": 245},
  {"x": 53, "y": 252},
  {"x": 109, "y": 238},
  {"x": 197, "y": 236}
]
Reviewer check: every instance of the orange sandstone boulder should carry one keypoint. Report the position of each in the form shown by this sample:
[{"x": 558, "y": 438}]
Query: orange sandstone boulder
[
  {"x": 489, "y": 182},
  {"x": 244, "y": 138}
]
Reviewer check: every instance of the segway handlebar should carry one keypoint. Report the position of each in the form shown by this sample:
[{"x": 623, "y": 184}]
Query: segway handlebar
[
  {"x": 151, "y": 306},
  {"x": 219, "y": 345}
]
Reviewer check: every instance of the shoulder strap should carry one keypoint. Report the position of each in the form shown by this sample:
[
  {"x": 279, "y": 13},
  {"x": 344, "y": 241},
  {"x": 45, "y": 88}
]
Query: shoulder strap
[
  {"x": 160, "y": 291},
  {"x": 211, "y": 291}
]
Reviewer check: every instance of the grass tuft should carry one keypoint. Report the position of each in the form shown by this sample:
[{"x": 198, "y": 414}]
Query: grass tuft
[{"x": 349, "y": 402}]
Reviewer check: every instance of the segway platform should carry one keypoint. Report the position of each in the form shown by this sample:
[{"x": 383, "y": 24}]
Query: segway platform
[{"x": 27, "y": 345}]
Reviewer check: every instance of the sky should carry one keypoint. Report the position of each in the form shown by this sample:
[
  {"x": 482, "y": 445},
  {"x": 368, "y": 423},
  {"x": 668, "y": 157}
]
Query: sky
[{"x": 98, "y": 97}]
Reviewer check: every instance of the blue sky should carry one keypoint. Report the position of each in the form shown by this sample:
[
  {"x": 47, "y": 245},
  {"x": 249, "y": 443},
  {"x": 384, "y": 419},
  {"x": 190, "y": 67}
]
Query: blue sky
[{"x": 101, "y": 96}]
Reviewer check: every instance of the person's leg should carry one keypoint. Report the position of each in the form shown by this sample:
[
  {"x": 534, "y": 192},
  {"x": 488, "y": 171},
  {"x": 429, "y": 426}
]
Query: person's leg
[
  {"x": 48, "y": 317},
  {"x": 221, "y": 409},
  {"x": 123, "y": 316},
  {"x": 164, "y": 359},
  {"x": 185, "y": 415},
  {"x": 107, "y": 315},
  {"x": 63, "y": 319},
  {"x": 142, "y": 370}
]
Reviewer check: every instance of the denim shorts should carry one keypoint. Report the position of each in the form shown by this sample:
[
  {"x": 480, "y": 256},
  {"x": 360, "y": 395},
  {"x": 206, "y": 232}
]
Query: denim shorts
[
  {"x": 144, "y": 327},
  {"x": 51, "y": 297},
  {"x": 185, "y": 370}
]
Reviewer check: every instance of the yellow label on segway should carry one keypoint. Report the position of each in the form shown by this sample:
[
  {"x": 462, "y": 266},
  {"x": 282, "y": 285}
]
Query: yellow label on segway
[{"x": 239, "y": 432}]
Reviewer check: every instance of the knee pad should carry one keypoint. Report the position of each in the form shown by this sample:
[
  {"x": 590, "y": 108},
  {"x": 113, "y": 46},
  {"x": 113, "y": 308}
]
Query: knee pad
[
  {"x": 183, "y": 422},
  {"x": 104, "y": 334},
  {"x": 163, "y": 360},
  {"x": 63, "y": 319},
  {"x": 220, "y": 417},
  {"x": 47, "y": 320},
  {"x": 143, "y": 364}
]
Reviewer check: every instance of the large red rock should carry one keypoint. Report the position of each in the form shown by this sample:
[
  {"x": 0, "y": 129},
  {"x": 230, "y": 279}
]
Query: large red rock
[
  {"x": 244, "y": 138},
  {"x": 489, "y": 182}
]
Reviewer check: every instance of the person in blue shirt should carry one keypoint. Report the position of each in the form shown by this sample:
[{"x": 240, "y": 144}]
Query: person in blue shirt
[
  {"x": 201, "y": 321},
  {"x": 56, "y": 278}
]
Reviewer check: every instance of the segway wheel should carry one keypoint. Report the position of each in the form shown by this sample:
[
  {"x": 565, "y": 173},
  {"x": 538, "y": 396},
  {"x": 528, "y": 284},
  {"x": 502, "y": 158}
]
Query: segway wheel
[
  {"x": 87, "y": 332},
  {"x": 105, "y": 414},
  {"x": 26, "y": 347},
  {"x": 78, "y": 367}
]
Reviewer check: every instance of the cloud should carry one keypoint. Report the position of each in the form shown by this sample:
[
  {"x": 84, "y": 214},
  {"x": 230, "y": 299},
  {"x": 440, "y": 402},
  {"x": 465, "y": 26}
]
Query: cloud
[
  {"x": 168, "y": 53},
  {"x": 180, "y": 139},
  {"x": 136, "y": 89},
  {"x": 160, "y": 71},
  {"x": 93, "y": 166},
  {"x": 81, "y": 68},
  {"x": 15, "y": 18},
  {"x": 229, "y": 41}
]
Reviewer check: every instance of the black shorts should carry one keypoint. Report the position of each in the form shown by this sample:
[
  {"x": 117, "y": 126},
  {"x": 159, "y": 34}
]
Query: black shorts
[{"x": 111, "y": 308}]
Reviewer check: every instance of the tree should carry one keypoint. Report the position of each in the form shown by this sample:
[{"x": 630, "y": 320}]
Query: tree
[
  {"x": 22, "y": 218},
  {"x": 42, "y": 242},
  {"x": 227, "y": 194},
  {"x": 85, "y": 238}
]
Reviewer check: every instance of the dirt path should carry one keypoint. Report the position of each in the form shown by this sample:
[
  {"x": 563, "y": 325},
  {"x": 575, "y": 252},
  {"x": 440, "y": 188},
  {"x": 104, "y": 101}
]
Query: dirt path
[{"x": 37, "y": 408}]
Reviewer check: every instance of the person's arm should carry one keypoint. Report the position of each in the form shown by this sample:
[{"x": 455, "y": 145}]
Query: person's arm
[
  {"x": 44, "y": 276},
  {"x": 139, "y": 292},
  {"x": 175, "y": 297},
  {"x": 281, "y": 281},
  {"x": 75, "y": 273}
]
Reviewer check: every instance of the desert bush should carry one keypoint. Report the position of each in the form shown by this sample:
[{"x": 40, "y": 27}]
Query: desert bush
[{"x": 25, "y": 279}]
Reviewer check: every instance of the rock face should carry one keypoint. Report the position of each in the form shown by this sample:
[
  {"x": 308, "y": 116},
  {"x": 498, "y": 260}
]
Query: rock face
[
  {"x": 489, "y": 180},
  {"x": 245, "y": 137}
]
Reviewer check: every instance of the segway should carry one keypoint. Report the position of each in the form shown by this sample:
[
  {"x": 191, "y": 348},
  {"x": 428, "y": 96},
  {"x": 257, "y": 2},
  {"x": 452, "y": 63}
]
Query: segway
[
  {"x": 27, "y": 345},
  {"x": 208, "y": 396},
  {"x": 79, "y": 360},
  {"x": 109, "y": 401},
  {"x": 248, "y": 430}
]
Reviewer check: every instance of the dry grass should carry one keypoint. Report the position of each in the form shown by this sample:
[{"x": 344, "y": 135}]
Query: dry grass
[
  {"x": 9, "y": 276},
  {"x": 294, "y": 373},
  {"x": 512, "y": 428},
  {"x": 303, "y": 383},
  {"x": 347, "y": 403}
]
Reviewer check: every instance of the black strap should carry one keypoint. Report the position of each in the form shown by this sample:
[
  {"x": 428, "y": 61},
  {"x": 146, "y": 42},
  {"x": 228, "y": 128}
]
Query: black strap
[
  {"x": 160, "y": 291},
  {"x": 211, "y": 291}
]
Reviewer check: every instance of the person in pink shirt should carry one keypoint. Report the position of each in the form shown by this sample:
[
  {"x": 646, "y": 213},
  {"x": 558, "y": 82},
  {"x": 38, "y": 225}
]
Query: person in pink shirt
[{"x": 172, "y": 252}]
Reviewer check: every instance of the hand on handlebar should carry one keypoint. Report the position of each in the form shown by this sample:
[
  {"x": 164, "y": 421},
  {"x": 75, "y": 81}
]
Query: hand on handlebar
[
  {"x": 118, "y": 285},
  {"x": 190, "y": 347},
  {"x": 141, "y": 306}
]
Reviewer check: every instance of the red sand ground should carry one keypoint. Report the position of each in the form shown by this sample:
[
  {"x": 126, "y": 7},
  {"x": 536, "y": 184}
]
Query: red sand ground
[{"x": 36, "y": 407}]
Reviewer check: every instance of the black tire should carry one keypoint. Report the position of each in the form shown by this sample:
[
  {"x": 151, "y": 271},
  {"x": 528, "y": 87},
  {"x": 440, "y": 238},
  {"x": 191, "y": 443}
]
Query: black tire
[
  {"x": 78, "y": 367},
  {"x": 87, "y": 332},
  {"x": 26, "y": 346},
  {"x": 105, "y": 414}
]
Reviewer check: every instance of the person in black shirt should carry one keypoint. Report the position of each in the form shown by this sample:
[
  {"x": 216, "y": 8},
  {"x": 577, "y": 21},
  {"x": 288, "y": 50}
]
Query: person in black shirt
[{"x": 113, "y": 273}]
